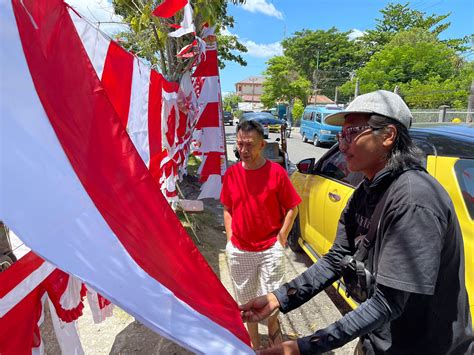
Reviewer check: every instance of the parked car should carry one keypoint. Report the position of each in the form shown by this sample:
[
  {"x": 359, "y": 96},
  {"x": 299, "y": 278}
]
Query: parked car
[
  {"x": 228, "y": 118},
  {"x": 326, "y": 185},
  {"x": 266, "y": 119},
  {"x": 313, "y": 126}
]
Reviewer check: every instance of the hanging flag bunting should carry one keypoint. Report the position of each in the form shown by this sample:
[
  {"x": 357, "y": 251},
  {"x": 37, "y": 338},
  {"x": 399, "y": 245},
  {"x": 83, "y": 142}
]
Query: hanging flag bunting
[
  {"x": 169, "y": 8},
  {"x": 146, "y": 103},
  {"x": 187, "y": 25},
  {"x": 209, "y": 135},
  {"x": 79, "y": 193}
]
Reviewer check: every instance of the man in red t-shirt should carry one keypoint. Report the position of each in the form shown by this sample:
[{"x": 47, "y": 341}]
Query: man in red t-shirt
[{"x": 260, "y": 205}]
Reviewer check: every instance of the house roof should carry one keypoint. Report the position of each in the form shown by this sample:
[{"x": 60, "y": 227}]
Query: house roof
[
  {"x": 252, "y": 80},
  {"x": 319, "y": 99}
]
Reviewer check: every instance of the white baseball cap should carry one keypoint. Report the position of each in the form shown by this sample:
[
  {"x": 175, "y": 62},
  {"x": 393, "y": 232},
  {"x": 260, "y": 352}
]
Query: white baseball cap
[{"x": 380, "y": 102}]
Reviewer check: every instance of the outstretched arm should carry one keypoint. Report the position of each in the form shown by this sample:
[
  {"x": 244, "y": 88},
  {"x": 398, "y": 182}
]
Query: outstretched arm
[{"x": 386, "y": 305}]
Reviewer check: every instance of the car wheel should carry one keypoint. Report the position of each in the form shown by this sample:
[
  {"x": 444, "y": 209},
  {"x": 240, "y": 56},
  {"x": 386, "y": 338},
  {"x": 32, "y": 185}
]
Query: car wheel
[
  {"x": 304, "y": 138},
  {"x": 294, "y": 235},
  {"x": 316, "y": 141}
]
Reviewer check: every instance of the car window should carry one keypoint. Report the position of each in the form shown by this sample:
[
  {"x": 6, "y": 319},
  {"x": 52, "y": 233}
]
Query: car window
[
  {"x": 464, "y": 169},
  {"x": 334, "y": 166},
  {"x": 427, "y": 149},
  {"x": 318, "y": 117}
]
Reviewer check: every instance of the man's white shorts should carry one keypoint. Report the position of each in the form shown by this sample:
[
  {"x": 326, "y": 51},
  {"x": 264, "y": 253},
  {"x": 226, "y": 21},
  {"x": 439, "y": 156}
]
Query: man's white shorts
[{"x": 255, "y": 273}]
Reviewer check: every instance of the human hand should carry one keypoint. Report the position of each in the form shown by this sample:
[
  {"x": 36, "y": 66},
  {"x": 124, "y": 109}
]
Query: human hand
[
  {"x": 285, "y": 348},
  {"x": 282, "y": 239},
  {"x": 259, "y": 308}
]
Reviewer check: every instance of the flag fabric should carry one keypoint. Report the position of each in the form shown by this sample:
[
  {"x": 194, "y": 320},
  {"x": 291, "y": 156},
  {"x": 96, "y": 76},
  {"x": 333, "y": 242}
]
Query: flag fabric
[
  {"x": 187, "y": 25},
  {"x": 78, "y": 192},
  {"x": 24, "y": 286},
  {"x": 146, "y": 103},
  {"x": 169, "y": 8},
  {"x": 209, "y": 135}
]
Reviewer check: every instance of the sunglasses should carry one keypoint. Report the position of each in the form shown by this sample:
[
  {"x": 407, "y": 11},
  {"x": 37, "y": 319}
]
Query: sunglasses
[{"x": 350, "y": 134}]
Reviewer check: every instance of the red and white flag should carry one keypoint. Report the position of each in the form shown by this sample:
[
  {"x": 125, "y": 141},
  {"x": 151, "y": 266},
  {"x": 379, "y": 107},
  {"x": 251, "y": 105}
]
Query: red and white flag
[
  {"x": 23, "y": 288},
  {"x": 76, "y": 189},
  {"x": 209, "y": 132}
]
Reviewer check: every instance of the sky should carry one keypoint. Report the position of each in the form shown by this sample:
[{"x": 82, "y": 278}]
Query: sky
[{"x": 262, "y": 24}]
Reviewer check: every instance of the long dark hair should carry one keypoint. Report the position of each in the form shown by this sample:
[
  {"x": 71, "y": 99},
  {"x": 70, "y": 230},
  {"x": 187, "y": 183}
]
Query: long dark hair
[{"x": 404, "y": 154}]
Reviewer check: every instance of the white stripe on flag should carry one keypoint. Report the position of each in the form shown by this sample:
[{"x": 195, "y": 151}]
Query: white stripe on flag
[
  {"x": 95, "y": 43},
  {"x": 211, "y": 140},
  {"x": 44, "y": 201},
  {"x": 137, "y": 125},
  {"x": 211, "y": 188},
  {"x": 24, "y": 288},
  {"x": 209, "y": 91}
]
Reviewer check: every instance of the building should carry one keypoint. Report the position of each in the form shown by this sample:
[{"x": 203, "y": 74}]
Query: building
[
  {"x": 319, "y": 100},
  {"x": 250, "y": 90}
]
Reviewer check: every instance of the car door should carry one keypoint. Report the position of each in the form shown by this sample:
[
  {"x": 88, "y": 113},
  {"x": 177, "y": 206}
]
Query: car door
[
  {"x": 336, "y": 184},
  {"x": 312, "y": 189}
]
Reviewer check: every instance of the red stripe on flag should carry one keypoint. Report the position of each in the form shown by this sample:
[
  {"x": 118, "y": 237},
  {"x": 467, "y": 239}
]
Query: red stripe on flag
[
  {"x": 18, "y": 272},
  {"x": 208, "y": 67},
  {"x": 169, "y": 7},
  {"x": 212, "y": 164},
  {"x": 154, "y": 113},
  {"x": 117, "y": 79},
  {"x": 209, "y": 117},
  {"x": 109, "y": 167}
]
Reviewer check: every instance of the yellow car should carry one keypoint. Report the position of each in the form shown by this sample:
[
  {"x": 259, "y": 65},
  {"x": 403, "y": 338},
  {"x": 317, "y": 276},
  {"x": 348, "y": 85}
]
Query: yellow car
[{"x": 326, "y": 185}]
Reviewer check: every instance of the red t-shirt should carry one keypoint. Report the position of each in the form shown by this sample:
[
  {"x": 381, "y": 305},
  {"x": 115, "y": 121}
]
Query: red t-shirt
[{"x": 258, "y": 201}]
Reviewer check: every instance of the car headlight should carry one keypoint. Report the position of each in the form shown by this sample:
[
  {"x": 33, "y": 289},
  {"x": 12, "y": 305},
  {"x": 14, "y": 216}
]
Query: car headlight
[{"x": 324, "y": 131}]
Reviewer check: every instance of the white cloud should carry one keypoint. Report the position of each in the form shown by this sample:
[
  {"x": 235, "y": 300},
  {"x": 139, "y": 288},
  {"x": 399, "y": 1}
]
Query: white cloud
[
  {"x": 263, "y": 7},
  {"x": 226, "y": 32},
  {"x": 99, "y": 11},
  {"x": 355, "y": 33},
  {"x": 263, "y": 50},
  {"x": 256, "y": 49}
]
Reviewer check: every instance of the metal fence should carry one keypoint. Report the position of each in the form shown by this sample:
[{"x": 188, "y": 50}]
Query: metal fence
[{"x": 441, "y": 115}]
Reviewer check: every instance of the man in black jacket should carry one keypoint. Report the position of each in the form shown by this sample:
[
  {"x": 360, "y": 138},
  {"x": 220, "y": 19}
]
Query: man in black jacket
[{"x": 412, "y": 270}]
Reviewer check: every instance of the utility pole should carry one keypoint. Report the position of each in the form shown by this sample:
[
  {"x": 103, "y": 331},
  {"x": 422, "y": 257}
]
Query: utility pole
[
  {"x": 316, "y": 77},
  {"x": 253, "y": 80},
  {"x": 335, "y": 94},
  {"x": 470, "y": 103},
  {"x": 356, "y": 92}
]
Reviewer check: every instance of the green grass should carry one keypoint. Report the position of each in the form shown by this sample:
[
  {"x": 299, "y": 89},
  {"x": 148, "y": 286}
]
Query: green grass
[{"x": 193, "y": 164}]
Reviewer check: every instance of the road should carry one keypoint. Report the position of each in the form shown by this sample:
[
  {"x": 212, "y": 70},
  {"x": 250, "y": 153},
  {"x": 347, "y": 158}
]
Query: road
[
  {"x": 321, "y": 311},
  {"x": 297, "y": 149}
]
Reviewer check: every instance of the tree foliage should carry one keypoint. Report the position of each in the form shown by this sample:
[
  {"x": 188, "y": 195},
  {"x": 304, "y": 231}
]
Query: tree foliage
[
  {"x": 231, "y": 102},
  {"x": 400, "y": 18},
  {"x": 148, "y": 34},
  {"x": 404, "y": 50},
  {"x": 326, "y": 58},
  {"x": 297, "y": 110},
  {"x": 427, "y": 71},
  {"x": 283, "y": 83}
]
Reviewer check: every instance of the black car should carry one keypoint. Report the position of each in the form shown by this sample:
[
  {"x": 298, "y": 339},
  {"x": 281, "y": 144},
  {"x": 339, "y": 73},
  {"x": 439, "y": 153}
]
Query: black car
[
  {"x": 266, "y": 119},
  {"x": 228, "y": 118}
]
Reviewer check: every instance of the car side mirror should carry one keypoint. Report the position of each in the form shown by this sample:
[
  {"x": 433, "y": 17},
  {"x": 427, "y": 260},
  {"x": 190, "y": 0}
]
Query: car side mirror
[{"x": 306, "y": 166}]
